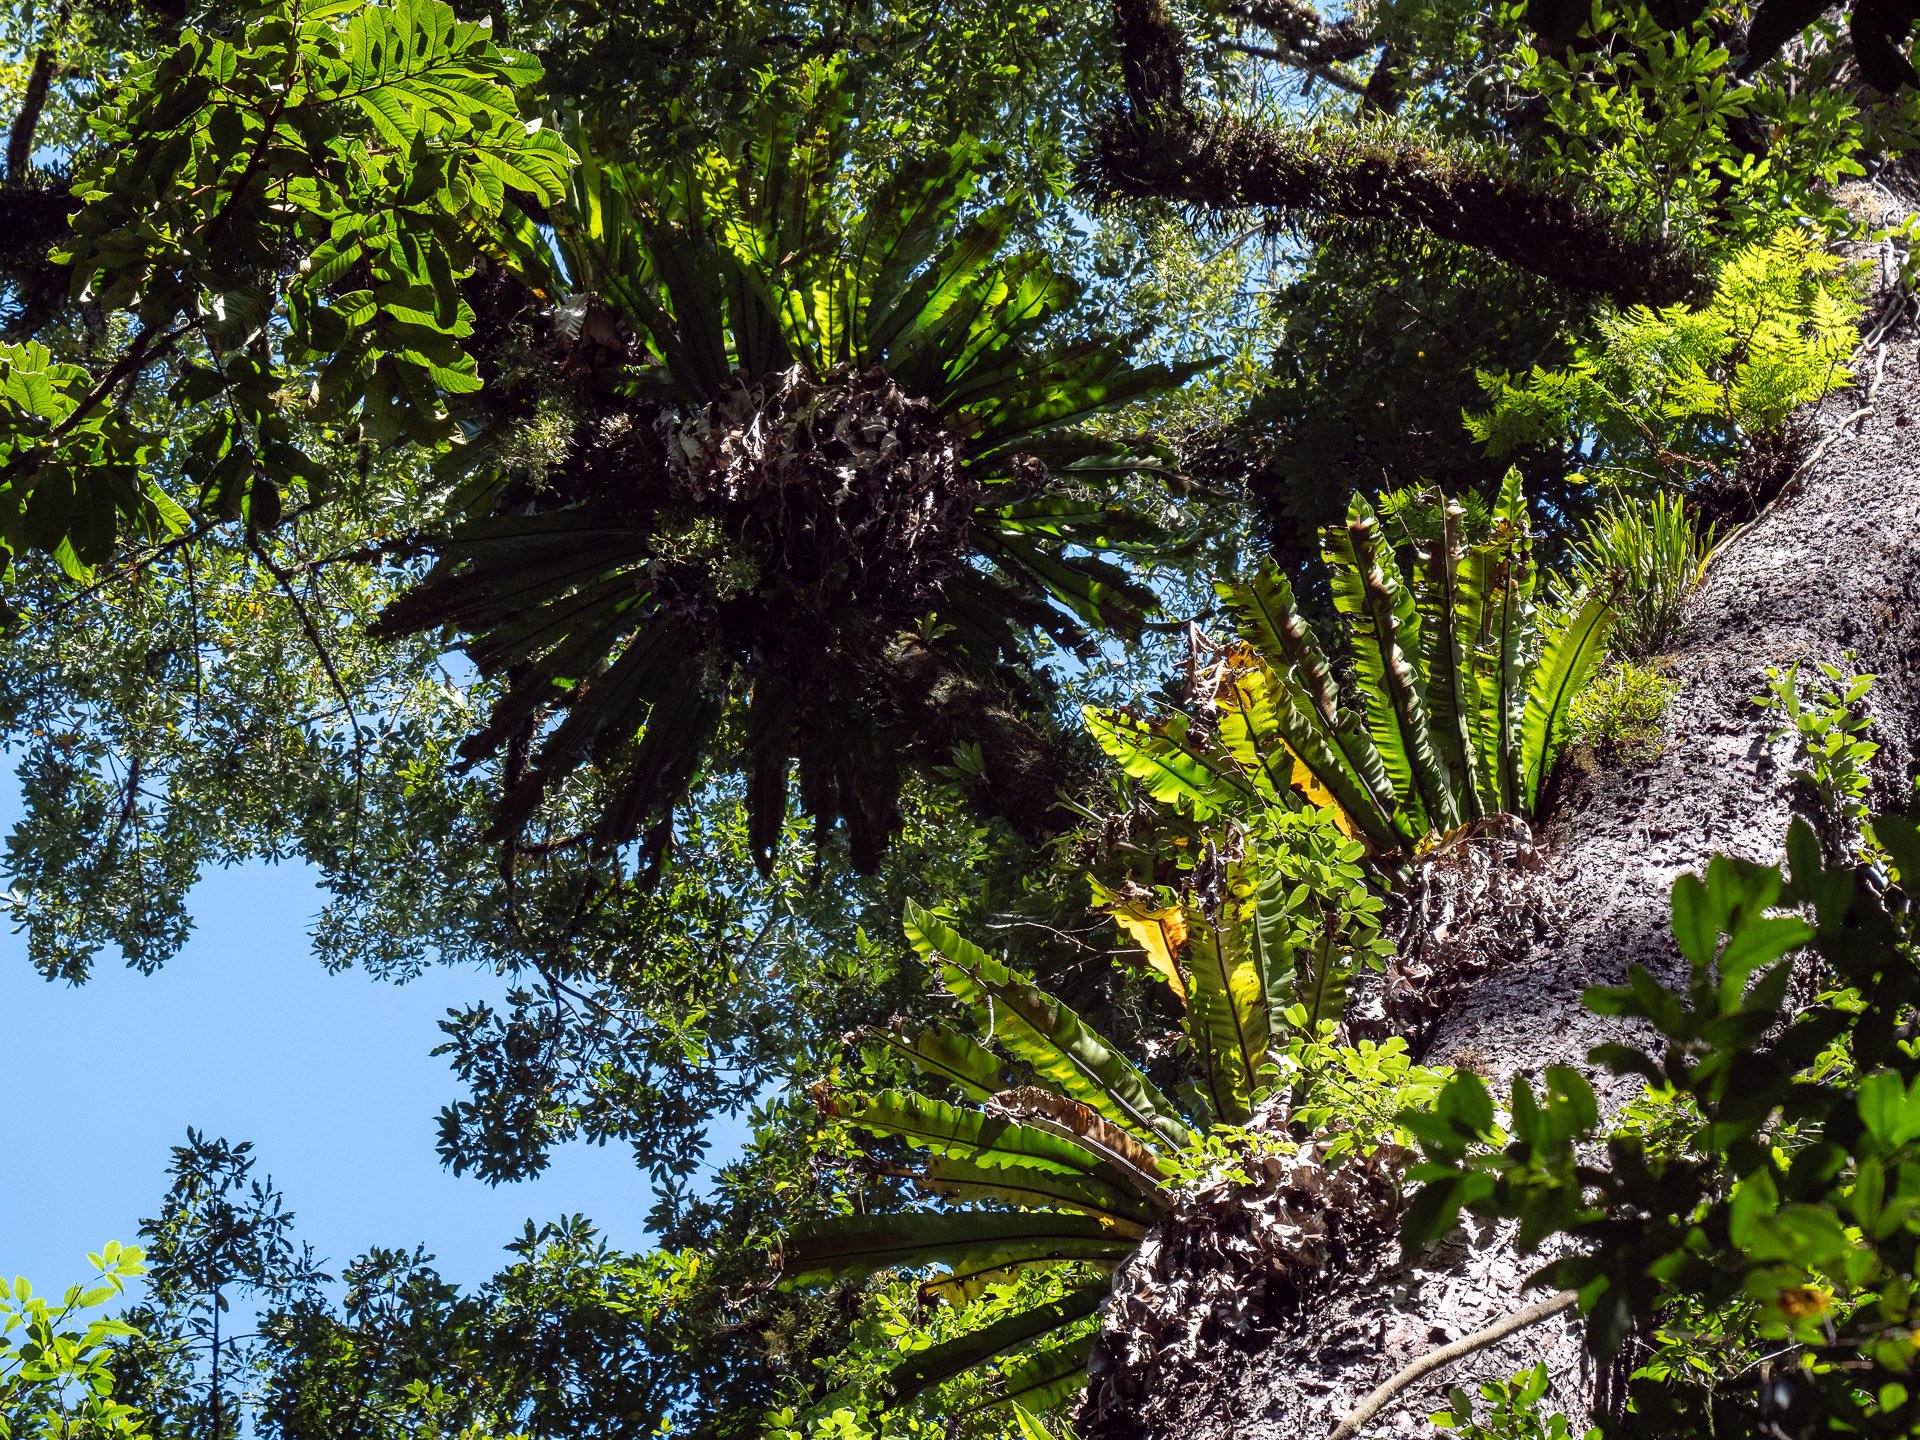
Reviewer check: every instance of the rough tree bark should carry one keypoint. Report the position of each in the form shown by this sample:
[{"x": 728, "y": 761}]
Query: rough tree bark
[{"x": 1833, "y": 565}]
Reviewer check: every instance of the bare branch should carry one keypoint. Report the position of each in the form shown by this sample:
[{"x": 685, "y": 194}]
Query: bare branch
[
  {"x": 285, "y": 580},
  {"x": 1298, "y": 61},
  {"x": 127, "y": 808},
  {"x": 1445, "y": 1355},
  {"x": 20, "y": 137}
]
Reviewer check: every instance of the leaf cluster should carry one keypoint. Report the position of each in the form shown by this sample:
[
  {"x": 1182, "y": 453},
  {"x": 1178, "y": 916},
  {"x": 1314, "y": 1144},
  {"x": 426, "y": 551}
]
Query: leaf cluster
[
  {"x": 1655, "y": 123},
  {"x": 1793, "y": 1187},
  {"x": 1513, "y": 1411},
  {"x": 313, "y": 188},
  {"x": 55, "y": 1377},
  {"x": 566, "y": 1340},
  {"x": 1651, "y": 554},
  {"x": 1828, "y": 732},
  {"x": 1649, "y": 116},
  {"x": 1621, "y": 710},
  {"x": 1082, "y": 1142},
  {"x": 746, "y": 282},
  {"x": 1462, "y": 700},
  {"x": 1676, "y": 396}
]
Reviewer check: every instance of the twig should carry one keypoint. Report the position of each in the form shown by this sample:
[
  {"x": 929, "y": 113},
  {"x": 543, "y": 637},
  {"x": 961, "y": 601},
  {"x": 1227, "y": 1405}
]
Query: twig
[
  {"x": 1060, "y": 935},
  {"x": 594, "y": 1003},
  {"x": 193, "y": 616},
  {"x": 1236, "y": 242},
  {"x": 146, "y": 346},
  {"x": 132, "y": 568},
  {"x": 1299, "y": 62},
  {"x": 201, "y": 530},
  {"x": 1446, "y": 1354},
  {"x": 1762, "y": 1360},
  {"x": 126, "y": 809},
  {"x": 547, "y": 847},
  {"x": 285, "y": 581}
]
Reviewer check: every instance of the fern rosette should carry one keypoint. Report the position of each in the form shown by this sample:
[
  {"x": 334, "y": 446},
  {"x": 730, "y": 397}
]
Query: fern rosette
[
  {"x": 1074, "y": 1159},
  {"x": 833, "y": 481},
  {"x": 1463, "y": 690}
]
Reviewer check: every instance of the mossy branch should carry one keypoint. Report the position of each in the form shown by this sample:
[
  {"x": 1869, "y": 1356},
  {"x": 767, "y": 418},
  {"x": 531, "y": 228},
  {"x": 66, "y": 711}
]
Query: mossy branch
[{"x": 1164, "y": 148}]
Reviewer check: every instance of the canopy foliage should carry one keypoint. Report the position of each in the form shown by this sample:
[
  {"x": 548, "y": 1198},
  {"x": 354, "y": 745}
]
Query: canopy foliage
[{"x": 645, "y": 499}]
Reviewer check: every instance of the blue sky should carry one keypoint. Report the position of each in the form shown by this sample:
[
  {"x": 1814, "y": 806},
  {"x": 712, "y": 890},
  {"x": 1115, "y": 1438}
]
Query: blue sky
[{"x": 245, "y": 1034}]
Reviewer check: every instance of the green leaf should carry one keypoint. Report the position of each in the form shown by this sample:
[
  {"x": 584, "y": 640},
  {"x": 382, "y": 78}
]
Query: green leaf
[
  {"x": 1271, "y": 622},
  {"x": 1298, "y": 687},
  {"x": 902, "y": 225},
  {"x": 1264, "y": 703},
  {"x": 950, "y": 1055},
  {"x": 913, "y": 323},
  {"x": 1465, "y": 1104},
  {"x": 1384, "y": 631},
  {"x": 1451, "y": 694},
  {"x": 1433, "y": 1211},
  {"x": 1036, "y": 1188},
  {"x": 1067, "y": 1055},
  {"x": 925, "y": 1368},
  {"x": 1696, "y": 930},
  {"x": 1570, "y": 656},
  {"x": 972, "y": 1135},
  {"x": 1227, "y": 1016},
  {"x": 1269, "y": 942},
  {"x": 1171, "y": 767},
  {"x": 967, "y": 1282},
  {"x": 1656, "y": 1002},
  {"x": 816, "y": 1251},
  {"x": 1901, "y": 838},
  {"x": 1100, "y": 594},
  {"x": 1043, "y": 1378},
  {"x": 1495, "y": 618},
  {"x": 1889, "y": 1110},
  {"x": 1756, "y": 942},
  {"x": 1810, "y": 1235}
]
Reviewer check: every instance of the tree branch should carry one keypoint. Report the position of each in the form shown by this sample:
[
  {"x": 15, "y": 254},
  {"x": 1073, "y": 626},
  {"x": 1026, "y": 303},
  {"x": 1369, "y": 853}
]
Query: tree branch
[
  {"x": 20, "y": 137},
  {"x": 360, "y": 554},
  {"x": 285, "y": 581},
  {"x": 1305, "y": 31},
  {"x": 1163, "y": 147},
  {"x": 146, "y": 348},
  {"x": 127, "y": 807},
  {"x": 1318, "y": 69},
  {"x": 1445, "y": 1355}
]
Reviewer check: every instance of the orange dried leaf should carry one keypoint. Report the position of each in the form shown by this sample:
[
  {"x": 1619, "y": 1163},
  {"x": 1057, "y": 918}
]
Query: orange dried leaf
[{"x": 1161, "y": 933}]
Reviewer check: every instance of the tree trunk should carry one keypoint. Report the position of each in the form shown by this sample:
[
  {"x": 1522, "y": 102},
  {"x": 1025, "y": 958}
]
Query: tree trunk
[{"x": 1833, "y": 565}]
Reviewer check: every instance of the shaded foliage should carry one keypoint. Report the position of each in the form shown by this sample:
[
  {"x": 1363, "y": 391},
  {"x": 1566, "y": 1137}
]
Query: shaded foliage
[{"x": 827, "y": 481}]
